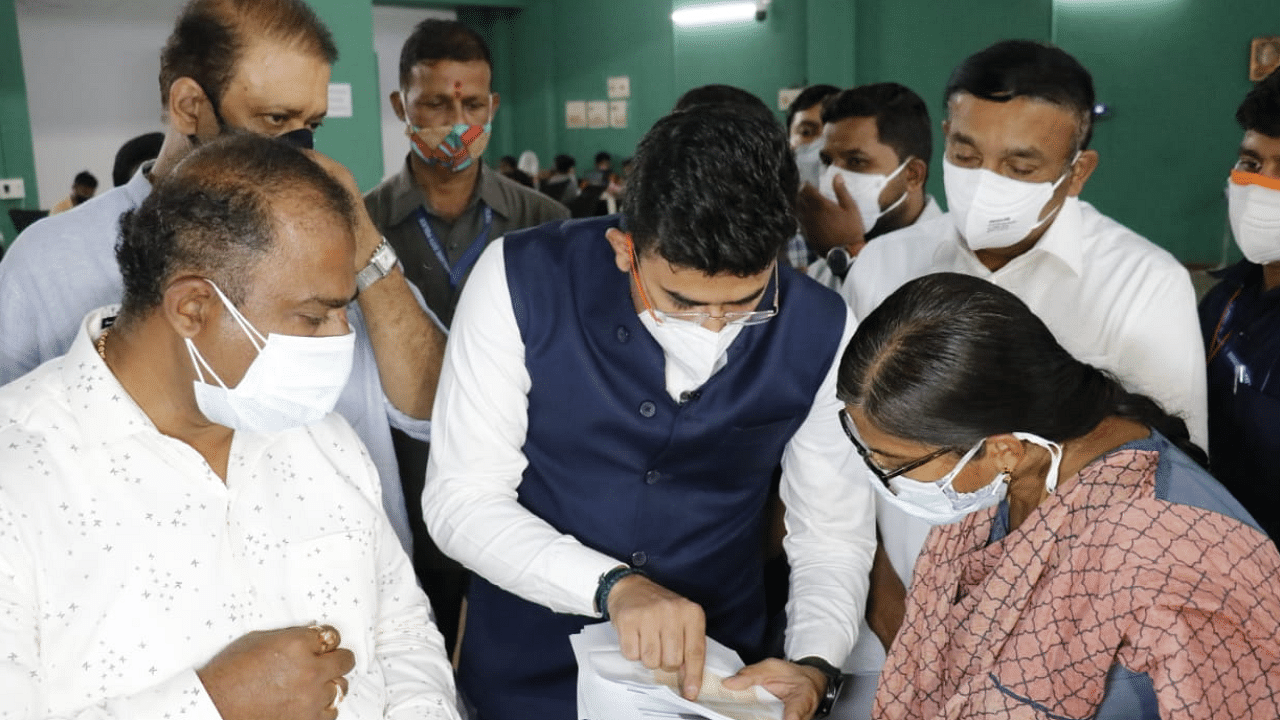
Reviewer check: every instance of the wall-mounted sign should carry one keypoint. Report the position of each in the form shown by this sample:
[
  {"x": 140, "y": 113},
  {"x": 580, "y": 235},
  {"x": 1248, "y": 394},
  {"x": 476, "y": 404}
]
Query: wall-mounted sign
[
  {"x": 575, "y": 114},
  {"x": 597, "y": 113},
  {"x": 619, "y": 87},
  {"x": 339, "y": 100},
  {"x": 617, "y": 113},
  {"x": 1264, "y": 56}
]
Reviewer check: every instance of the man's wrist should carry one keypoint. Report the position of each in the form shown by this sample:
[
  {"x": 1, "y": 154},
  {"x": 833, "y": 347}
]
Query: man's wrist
[
  {"x": 608, "y": 580},
  {"x": 379, "y": 266},
  {"x": 834, "y": 682}
]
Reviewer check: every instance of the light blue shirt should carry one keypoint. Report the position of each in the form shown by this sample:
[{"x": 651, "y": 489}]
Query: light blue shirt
[{"x": 64, "y": 266}]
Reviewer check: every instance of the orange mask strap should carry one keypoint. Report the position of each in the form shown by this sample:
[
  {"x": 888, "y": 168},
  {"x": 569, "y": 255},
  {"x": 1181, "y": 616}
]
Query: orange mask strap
[{"x": 1240, "y": 177}]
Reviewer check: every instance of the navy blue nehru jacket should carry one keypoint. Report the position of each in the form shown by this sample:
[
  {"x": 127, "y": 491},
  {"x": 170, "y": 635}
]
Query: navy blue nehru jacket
[{"x": 676, "y": 488}]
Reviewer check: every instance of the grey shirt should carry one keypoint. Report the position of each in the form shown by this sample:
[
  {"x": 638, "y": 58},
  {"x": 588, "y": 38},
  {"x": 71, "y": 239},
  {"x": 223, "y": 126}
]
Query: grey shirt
[{"x": 394, "y": 204}]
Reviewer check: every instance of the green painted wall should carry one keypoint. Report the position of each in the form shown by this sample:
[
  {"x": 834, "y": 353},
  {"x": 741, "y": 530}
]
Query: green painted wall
[
  {"x": 355, "y": 141},
  {"x": 1173, "y": 73},
  {"x": 16, "y": 157}
]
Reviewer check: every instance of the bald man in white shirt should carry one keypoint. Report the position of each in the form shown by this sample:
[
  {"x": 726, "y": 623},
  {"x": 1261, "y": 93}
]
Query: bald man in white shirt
[{"x": 186, "y": 528}]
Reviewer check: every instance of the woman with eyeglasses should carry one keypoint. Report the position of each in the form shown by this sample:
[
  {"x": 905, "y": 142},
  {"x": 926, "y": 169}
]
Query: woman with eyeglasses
[{"x": 1085, "y": 564}]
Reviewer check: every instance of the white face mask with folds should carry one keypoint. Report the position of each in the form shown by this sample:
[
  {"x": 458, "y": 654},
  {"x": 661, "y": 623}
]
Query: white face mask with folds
[
  {"x": 294, "y": 380},
  {"x": 1253, "y": 205},
  {"x": 993, "y": 211},
  {"x": 693, "y": 352},
  {"x": 937, "y": 503},
  {"x": 865, "y": 189},
  {"x": 809, "y": 162}
]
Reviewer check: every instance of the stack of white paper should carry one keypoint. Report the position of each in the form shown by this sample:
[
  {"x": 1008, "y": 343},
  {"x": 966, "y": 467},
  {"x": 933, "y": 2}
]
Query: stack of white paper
[{"x": 611, "y": 687}]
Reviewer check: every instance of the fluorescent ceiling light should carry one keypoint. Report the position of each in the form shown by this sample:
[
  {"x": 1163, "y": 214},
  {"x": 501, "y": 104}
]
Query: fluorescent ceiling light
[{"x": 714, "y": 14}]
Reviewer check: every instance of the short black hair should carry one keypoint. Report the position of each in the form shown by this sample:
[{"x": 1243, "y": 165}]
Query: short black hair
[
  {"x": 718, "y": 94},
  {"x": 565, "y": 163},
  {"x": 433, "y": 40},
  {"x": 1026, "y": 68},
  {"x": 133, "y": 153},
  {"x": 807, "y": 98},
  {"x": 1260, "y": 111},
  {"x": 85, "y": 178},
  {"x": 603, "y": 156},
  {"x": 902, "y": 118},
  {"x": 214, "y": 216},
  {"x": 209, "y": 37},
  {"x": 713, "y": 188}
]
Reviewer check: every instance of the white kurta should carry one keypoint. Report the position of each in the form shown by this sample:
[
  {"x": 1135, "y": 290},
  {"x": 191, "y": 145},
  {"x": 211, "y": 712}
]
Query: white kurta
[{"x": 126, "y": 562}]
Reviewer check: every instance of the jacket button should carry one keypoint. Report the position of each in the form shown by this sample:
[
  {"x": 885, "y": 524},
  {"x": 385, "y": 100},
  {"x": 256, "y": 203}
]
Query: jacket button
[
  {"x": 652, "y": 477},
  {"x": 638, "y": 558},
  {"x": 648, "y": 409},
  {"x": 623, "y": 334}
]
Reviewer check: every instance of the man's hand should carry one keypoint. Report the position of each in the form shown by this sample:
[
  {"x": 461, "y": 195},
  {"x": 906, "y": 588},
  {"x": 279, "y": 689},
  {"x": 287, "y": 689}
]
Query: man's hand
[
  {"x": 367, "y": 236},
  {"x": 660, "y": 629},
  {"x": 287, "y": 674},
  {"x": 826, "y": 224},
  {"x": 799, "y": 687}
]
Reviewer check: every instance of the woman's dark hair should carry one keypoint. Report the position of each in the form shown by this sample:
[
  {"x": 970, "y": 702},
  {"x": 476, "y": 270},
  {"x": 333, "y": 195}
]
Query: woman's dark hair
[{"x": 950, "y": 359}]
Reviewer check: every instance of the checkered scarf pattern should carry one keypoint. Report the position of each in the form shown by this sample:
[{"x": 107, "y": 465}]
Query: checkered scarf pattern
[{"x": 1101, "y": 572}]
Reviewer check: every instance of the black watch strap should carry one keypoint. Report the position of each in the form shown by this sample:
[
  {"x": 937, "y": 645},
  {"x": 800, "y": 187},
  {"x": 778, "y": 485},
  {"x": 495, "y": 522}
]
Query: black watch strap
[{"x": 835, "y": 681}]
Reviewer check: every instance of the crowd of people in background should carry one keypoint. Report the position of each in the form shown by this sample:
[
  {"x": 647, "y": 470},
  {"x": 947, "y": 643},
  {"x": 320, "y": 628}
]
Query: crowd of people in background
[{"x": 274, "y": 447}]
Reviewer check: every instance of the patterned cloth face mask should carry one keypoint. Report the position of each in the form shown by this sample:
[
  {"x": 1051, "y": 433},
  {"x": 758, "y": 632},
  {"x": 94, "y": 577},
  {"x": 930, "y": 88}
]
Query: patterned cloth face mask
[{"x": 452, "y": 146}]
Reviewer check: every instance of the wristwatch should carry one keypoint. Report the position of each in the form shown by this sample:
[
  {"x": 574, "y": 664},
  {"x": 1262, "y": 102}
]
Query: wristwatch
[
  {"x": 384, "y": 258},
  {"x": 835, "y": 681},
  {"x": 839, "y": 260}
]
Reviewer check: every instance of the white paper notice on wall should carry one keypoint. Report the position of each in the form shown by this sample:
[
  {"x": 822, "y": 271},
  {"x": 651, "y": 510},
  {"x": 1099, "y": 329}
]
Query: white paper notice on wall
[
  {"x": 620, "y": 87},
  {"x": 339, "y": 100},
  {"x": 786, "y": 96},
  {"x": 575, "y": 114},
  {"x": 598, "y": 113},
  {"x": 617, "y": 113}
]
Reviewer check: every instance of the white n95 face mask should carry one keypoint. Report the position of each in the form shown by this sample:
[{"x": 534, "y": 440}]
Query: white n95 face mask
[
  {"x": 809, "y": 162},
  {"x": 937, "y": 503},
  {"x": 1253, "y": 205},
  {"x": 294, "y": 380},
  {"x": 993, "y": 211},
  {"x": 693, "y": 353},
  {"x": 865, "y": 189}
]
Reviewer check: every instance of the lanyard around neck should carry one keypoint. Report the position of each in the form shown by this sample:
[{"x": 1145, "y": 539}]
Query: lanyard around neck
[{"x": 459, "y": 271}]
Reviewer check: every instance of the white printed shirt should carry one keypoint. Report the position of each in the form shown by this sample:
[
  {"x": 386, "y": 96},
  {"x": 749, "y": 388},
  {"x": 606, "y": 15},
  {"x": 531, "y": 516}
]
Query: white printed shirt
[{"x": 126, "y": 563}]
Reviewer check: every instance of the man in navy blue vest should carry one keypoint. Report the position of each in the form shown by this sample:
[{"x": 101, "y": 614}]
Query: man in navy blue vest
[{"x": 616, "y": 395}]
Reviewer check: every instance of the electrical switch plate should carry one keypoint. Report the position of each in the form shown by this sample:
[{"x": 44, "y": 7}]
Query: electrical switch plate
[{"x": 12, "y": 189}]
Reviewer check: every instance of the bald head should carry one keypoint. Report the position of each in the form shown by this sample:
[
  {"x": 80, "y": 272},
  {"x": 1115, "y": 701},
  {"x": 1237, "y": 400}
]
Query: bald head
[{"x": 217, "y": 215}]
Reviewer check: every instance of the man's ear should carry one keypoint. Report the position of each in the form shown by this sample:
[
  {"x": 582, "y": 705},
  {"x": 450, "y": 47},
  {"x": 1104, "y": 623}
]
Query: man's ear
[
  {"x": 189, "y": 306},
  {"x": 622, "y": 248},
  {"x": 189, "y": 107},
  {"x": 1081, "y": 171},
  {"x": 916, "y": 173},
  {"x": 397, "y": 104},
  {"x": 494, "y": 102}
]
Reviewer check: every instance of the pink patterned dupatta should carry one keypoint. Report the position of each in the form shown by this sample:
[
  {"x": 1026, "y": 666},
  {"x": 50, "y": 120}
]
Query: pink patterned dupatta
[{"x": 1102, "y": 572}]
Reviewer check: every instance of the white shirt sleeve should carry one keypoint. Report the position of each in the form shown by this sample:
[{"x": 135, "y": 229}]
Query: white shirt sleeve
[
  {"x": 477, "y": 460},
  {"x": 1161, "y": 350},
  {"x": 830, "y": 519}
]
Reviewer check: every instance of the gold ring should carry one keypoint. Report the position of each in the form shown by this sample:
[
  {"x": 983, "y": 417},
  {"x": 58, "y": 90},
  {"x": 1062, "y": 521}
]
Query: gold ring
[
  {"x": 338, "y": 695},
  {"x": 328, "y": 639}
]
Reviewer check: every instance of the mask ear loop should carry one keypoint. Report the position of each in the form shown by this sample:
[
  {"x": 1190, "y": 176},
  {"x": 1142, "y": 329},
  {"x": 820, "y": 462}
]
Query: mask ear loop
[
  {"x": 1055, "y": 458},
  {"x": 901, "y": 198},
  {"x": 255, "y": 337},
  {"x": 1049, "y": 218},
  {"x": 197, "y": 360}
]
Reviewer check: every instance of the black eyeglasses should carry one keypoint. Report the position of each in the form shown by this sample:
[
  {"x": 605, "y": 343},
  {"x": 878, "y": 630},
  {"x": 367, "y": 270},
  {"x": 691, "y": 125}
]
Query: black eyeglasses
[{"x": 885, "y": 475}]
